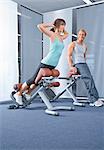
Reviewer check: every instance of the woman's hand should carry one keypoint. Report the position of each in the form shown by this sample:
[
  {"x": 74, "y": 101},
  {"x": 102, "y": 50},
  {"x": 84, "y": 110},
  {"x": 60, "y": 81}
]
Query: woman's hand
[
  {"x": 64, "y": 35},
  {"x": 51, "y": 24}
]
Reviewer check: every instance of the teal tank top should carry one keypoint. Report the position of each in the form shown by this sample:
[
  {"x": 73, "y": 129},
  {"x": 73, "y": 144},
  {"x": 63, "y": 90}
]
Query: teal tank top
[{"x": 54, "y": 54}]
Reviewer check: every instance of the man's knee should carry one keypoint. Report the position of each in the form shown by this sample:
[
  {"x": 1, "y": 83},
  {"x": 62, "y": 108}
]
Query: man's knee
[{"x": 87, "y": 81}]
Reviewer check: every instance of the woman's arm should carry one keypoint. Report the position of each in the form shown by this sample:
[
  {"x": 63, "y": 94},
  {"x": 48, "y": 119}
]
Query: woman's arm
[{"x": 44, "y": 28}]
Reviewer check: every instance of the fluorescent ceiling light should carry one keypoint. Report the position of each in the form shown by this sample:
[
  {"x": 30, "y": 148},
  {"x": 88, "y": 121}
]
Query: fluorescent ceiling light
[{"x": 87, "y": 2}]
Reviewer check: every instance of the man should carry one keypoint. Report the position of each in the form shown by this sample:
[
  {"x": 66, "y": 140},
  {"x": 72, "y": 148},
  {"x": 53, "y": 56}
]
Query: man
[{"x": 77, "y": 62}]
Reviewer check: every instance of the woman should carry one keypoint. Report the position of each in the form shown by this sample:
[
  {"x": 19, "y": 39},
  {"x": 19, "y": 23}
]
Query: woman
[
  {"x": 77, "y": 62},
  {"x": 57, "y": 34}
]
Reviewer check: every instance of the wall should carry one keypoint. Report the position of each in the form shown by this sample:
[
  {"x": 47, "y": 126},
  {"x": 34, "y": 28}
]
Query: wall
[
  {"x": 31, "y": 42},
  {"x": 8, "y": 48},
  {"x": 91, "y": 18}
]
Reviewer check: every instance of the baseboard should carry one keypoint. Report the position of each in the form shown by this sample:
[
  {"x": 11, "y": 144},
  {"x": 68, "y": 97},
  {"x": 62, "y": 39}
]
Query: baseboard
[{"x": 6, "y": 102}]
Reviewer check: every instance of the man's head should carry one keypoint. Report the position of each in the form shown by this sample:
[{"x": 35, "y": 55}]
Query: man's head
[{"x": 81, "y": 34}]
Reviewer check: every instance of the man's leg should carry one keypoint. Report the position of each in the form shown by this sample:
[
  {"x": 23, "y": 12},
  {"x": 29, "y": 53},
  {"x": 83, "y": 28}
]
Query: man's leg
[{"x": 89, "y": 82}]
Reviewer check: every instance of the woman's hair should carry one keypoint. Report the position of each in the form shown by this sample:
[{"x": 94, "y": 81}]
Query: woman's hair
[
  {"x": 83, "y": 30},
  {"x": 57, "y": 24}
]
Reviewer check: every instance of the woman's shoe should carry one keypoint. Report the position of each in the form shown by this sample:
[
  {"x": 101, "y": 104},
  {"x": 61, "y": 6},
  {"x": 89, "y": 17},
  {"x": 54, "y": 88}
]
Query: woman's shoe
[
  {"x": 18, "y": 99},
  {"x": 27, "y": 96}
]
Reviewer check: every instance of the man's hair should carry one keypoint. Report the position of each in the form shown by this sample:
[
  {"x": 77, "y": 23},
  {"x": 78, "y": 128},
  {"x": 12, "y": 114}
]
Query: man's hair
[{"x": 83, "y": 30}]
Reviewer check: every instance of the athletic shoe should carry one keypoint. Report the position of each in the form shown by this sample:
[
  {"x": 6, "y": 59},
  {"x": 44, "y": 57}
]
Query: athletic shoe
[
  {"x": 18, "y": 99},
  {"x": 102, "y": 99},
  {"x": 27, "y": 96},
  {"x": 98, "y": 103}
]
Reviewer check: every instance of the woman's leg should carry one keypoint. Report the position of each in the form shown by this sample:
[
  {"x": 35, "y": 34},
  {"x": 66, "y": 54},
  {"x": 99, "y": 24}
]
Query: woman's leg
[
  {"x": 31, "y": 88},
  {"x": 55, "y": 73},
  {"x": 43, "y": 72},
  {"x": 28, "y": 84},
  {"x": 25, "y": 86},
  {"x": 18, "y": 95}
]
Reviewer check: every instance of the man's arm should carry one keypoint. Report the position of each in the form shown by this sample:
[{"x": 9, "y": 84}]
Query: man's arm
[
  {"x": 85, "y": 52},
  {"x": 70, "y": 51},
  {"x": 70, "y": 61}
]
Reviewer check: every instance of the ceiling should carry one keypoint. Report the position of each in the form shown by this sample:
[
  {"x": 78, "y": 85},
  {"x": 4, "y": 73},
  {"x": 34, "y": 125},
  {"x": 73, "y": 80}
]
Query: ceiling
[{"x": 50, "y": 5}]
